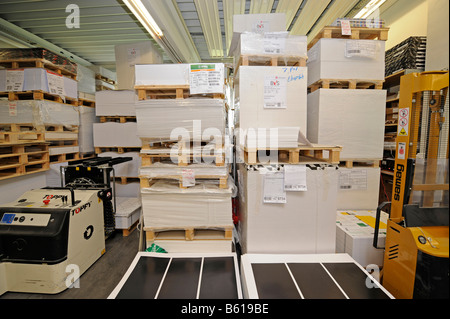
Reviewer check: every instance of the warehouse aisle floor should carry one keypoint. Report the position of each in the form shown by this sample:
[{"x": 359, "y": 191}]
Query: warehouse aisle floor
[{"x": 102, "y": 277}]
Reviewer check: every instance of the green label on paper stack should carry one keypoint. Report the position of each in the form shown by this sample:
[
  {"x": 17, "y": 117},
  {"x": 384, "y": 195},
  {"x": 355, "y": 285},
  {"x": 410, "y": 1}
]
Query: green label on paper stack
[{"x": 155, "y": 249}]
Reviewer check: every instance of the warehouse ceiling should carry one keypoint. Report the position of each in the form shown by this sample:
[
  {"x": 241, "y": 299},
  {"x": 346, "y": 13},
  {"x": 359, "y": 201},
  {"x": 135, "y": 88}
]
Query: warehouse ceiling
[{"x": 105, "y": 23}]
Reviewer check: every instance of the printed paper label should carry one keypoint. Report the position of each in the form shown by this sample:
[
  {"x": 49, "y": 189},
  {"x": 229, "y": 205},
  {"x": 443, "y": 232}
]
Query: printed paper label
[
  {"x": 295, "y": 178},
  {"x": 366, "y": 49},
  {"x": 274, "y": 188},
  {"x": 275, "y": 92},
  {"x": 133, "y": 56},
  {"x": 55, "y": 83},
  {"x": 345, "y": 27},
  {"x": 403, "y": 122},
  {"x": 353, "y": 179},
  {"x": 14, "y": 80},
  {"x": 12, "y": 108},
  {"x": 188, "y": 177},
  {"x": 206, "y": 78},
  {"x": 401, "y": 150},
  {"x": 275, "y": 43}
]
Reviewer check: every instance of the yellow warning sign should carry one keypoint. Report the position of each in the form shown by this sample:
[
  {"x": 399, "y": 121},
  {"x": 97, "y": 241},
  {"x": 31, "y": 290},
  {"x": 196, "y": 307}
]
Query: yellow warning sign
[{"x": 402, "y": 132}]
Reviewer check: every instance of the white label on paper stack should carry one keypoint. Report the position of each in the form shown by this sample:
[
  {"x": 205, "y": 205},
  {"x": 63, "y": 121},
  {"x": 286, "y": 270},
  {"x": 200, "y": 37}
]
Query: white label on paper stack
[
  {"x": 188, "y": 177},
  {"x": 345, "y": 27},
  {"x": 206, "y": 78},
  {"x": 274, "y": 188},
  {"x": 361, "y": 48},
  {"x": 14, "y": 80},
  {"x": 275, "y": 42},
  {"x": 295, "y": 178},
  {"x": 353, "y": 179},
  {"x": 55, "y": 83},
  {"x": 275, "y": 92}
]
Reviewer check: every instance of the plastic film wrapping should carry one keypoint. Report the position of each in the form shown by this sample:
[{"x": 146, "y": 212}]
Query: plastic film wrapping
[
  {"x": 39, "y": 112},
  {"x": 115, "y": 103},
  {"x": 204, "y": 205},
  {"x": 187, "y": 118},
  {"x": 18, "y": 54},
  {"x": 272, "y": 44},
  {"x": 358, "y": 126}
]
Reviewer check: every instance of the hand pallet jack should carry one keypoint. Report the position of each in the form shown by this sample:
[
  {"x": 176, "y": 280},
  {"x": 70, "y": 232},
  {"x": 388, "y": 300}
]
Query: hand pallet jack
[{"x": 416, "y": 254}]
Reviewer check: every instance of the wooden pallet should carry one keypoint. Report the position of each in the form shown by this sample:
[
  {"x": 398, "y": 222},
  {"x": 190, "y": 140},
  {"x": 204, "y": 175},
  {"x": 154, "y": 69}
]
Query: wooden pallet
[
  {"x": 61, "y": 158},
  {"x": 186, "y": 152},
  {"x": 147, "y": 92},
  {"x": 104, "y": 79},
  {"x": 147, "y": 182},
  {"x": 38, "y": 95},
  {"x": 117, "y": 119},
  {"x": 22, "y": 159},
  {"x": 120, "y": 150},
  {"x": 17, "y": 133},
  {"x": 123, "y": 180},
  {"x": 189, "y": 233},
  {"x": 357, "y": 33},
  {"x": 346, "y": 84},
  {"x": 86, "y": 102},
  {"x": 37, "y": 63},
  {"x": 271, "y": 60},
  {"x": 302, "y": 154},
  {"x": 350, "y": 163}
]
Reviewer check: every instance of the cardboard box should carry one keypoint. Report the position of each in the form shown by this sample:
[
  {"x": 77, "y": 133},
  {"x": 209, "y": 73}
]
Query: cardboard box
[
  {"x": 355, "y": 232},
  {"x": 115, "y": 103},
  {"x": 305, "y": 223},
  {"x": 271, "y": 97},
  {"x": 338, "y": 59},
  {"x": 130, "y": 54},
  {"x": 359, "y": 188},
  {"x": 111, "y": 134},
  {"x": 353, "y": 119},
  {"x": 29, "y": 79}
]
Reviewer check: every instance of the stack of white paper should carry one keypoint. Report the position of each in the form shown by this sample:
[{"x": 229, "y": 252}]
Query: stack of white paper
[
  {"x": 111, "y": 134},
  {"x": 128, "y": 211},
  {"x": 115, "y": 103},
  {"x": 86, "y": 129},
  {"x": 188, "y": 118}
]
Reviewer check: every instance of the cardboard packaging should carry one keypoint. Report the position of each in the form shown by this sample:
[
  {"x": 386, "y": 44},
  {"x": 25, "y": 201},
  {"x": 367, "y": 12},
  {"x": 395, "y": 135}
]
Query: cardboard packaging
[
  {"x": 130, "y": 54},
  {"x": 354, "y": 235},
  {"x": 346, "y": 59},
  {"x": 115, "y": 103},
  {"x": 30, "y": 79},
  {"x": 305, "y": 223},
  {"x": 353, "y": 119},
  {"x": 358, "y": 188},
  {"x": 111, "y": 134},
  {"x": 271, "y": 97}
]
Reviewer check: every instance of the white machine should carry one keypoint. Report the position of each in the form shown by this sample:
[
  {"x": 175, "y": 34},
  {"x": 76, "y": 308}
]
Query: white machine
[{"x": 49, "y": 237}]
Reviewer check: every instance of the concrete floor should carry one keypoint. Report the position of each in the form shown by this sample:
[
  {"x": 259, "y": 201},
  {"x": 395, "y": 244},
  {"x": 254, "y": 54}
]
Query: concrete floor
[{"x": 102, "y": 277}]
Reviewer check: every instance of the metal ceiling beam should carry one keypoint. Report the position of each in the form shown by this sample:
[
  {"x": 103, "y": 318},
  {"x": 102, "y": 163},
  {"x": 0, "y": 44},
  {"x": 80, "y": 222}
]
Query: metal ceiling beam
[
  {"x": 26, "y": 36},
  {"x": 308, "y": 16}
]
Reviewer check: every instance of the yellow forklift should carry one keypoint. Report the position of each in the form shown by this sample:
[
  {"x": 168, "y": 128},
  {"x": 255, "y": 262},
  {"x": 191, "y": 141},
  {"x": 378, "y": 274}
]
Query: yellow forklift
[{"x": 416, "y": 261}]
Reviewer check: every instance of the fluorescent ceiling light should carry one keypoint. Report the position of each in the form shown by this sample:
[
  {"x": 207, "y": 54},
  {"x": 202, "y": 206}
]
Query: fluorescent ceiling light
[
  {"x": 290, "y": 8},
  {"x": 369, "y": 9},
  {"x": 230, "y": 8},
  {"x": 261, "y": 6},
  {"x": 163, "y": 21},
  {"x": 208, "y": 14},
  {"x": 144, "y": 17}
]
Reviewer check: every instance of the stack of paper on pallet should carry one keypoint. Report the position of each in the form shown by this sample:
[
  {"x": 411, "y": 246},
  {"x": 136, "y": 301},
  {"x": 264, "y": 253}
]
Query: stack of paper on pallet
[
  {"x": 86, "y": 129},
  {"x": 351, "y": 118},
  {"x": 128, "y": 211},
  {"x": 355, "y": 232},
  {"x": 287, "y": 208},
  {"x": 189, "y": 118},
  {"x": 346, "y": 59},
  {"x": 113, "y": 134},
  {"x": 271, "y": 97},
  {"x": 115, "y": 103}
]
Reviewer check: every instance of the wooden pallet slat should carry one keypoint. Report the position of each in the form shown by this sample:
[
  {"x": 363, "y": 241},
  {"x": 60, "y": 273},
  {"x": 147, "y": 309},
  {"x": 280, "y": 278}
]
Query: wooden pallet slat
[
  {"x": 119, "y": 119},
  {"x": 358, "y": 33},
  {"x": 147, "y": 92},
  {"x": 17, "y": 133},
  {"x": 189, "y": 233},
  {"x": 147, "y": 182},
  {"x": 38, "y": 95},
  {"x": 298, "y": 155},
  {"x": 22, "y": 159},
  {"x": 270, "y": 60},
  {"x": 37, "y": 63},
  {"x": 351, "y": 84}
]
